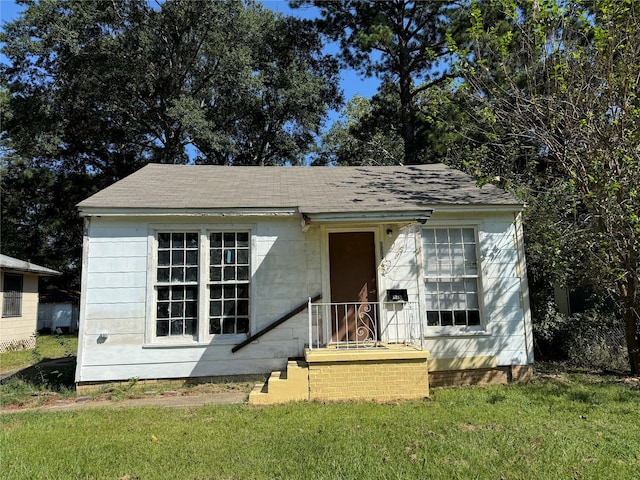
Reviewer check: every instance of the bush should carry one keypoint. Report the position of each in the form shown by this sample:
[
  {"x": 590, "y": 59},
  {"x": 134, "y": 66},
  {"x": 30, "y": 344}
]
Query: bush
[{"x": 593, "y": 339}]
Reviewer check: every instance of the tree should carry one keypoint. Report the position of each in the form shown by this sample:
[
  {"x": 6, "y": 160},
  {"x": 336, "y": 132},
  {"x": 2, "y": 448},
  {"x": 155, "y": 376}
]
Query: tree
[
  {"x": 574, "y": 94},
  {"x": 406, "y": 44},
  {"x": 93, "y": 90}
]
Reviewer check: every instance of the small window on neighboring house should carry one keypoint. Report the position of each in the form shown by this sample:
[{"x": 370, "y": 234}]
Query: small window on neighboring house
[
  {"x": 451, "y": 277},
  {"x": 12, "y": 295},
  {"x": 177, "y": 284},
  {"x": 229, "y": 279}
]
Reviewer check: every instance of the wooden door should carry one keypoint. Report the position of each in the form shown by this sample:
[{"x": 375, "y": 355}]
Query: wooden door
[{"x": 352, "y": 271}]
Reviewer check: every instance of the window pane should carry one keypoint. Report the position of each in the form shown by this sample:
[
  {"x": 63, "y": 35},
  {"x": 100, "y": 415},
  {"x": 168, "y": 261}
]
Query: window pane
[
  {"x": 191, "y": 293},
  {"x": 215, "y": 274},
  {"x": 192, "y": 257},
  {"x": 442, "y": 236},
  {"x": 455, "y": 235},
  {"x": 446, "y": 318},
  {"x": 177, "y": 293},
  {"x": 177, "y": 240},
  {"x": 229, "y": 273},
  {"x": 214, "y": 326},
  {"x": 163, "y": 293},
  {"x": 216, "y": 256},
  {"x": 192, "y": 274},
  {"x": 177, "y": 327},
  {"x": 243, "y": 291},
  {"x": 176, "y": 309},
  {"x": 177, "y": 274},
  {"x": 243, "y": 273},
  {"x": 468, "y": 236},
  {"x": 162, "y": 328},
  {"x": 460, "y": 317},
  {"x": 243, "y": 325},
  {"x": 228, "y": 325},
  {"x": 164, "y": 240},
  {"x": 177, "y": 257},
  {"x": 190, "y": 327},
  {"x": 229, "y": 257},
  {"x": 433, "y": 319},
  {"x": 191, "y": 309},
  {"x": 216, "y": 239},
  {"x": 229, "y": 291},
  {"x": 164, "y": 258},
  {"x": 215, "y": 309},
  {"x": 243, "y": 256},
  {"x": 163, "y": 275},
  {"x": 215, "y": 291},
  {"x": 162, "y": 310},
  {"x": 243, "y": 307},
  {"x": 192, "y": 240},
  {"x": 472, "y": 301},
  {"x": 229, "y": 308},
  {"x": 229, "y": 239},
  {"x": 474, "y": 317},
  {"x": 243, "y": 239}
]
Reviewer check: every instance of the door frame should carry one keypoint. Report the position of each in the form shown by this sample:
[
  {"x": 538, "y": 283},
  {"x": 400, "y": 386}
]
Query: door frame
[{"x": 325, "y": 230}]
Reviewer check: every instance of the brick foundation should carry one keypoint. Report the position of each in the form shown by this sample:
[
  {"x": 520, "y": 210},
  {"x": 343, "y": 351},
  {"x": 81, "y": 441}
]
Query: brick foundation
[
  {"x": 481, "y": 376},
  {"x": 368, "y": 375}
]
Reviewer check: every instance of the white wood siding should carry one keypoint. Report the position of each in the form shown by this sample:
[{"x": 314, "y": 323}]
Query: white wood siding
[
  {"x": 287, "y": 268},
  {"x": 505, "y": 311},
  {"x": 286, "y": 271}
]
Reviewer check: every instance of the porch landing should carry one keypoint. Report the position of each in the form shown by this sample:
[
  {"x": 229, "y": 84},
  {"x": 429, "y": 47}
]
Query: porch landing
[{"x": 330, "y": 374}]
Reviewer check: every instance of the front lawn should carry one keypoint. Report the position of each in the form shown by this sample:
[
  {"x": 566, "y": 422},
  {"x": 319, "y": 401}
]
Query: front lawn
[{"x": 562, "y": 426}]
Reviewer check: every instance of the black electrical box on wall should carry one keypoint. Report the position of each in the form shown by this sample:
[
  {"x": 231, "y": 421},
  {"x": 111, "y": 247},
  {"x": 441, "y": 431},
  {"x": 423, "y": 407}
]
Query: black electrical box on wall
[{"x": 397, "y": 295}]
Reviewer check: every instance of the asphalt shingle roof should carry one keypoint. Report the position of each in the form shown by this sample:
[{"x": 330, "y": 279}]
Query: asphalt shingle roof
[
  {"x": 10, "y": 263},
  {"x": 309, "y": 189}
]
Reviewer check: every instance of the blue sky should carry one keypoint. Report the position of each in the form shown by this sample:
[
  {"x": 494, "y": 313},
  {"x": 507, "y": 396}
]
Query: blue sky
[{"x": 350, "y": 82}]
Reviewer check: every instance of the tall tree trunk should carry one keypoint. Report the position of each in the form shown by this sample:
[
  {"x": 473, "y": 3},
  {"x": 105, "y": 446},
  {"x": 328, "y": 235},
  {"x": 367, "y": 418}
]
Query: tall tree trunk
[{"x": 632, "y": 333}]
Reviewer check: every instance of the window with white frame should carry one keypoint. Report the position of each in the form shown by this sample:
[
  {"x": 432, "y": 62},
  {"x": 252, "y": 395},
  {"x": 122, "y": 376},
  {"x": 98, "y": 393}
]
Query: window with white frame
[
  {"x": 451, "y": 277},
  {"x": 177, "y": 284},
  {"x": 229, "y": 274},
  {"x": 12, "y": 295}
]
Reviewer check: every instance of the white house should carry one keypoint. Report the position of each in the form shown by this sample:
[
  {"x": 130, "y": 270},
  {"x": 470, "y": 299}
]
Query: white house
[{"x": 185, "y": 267}]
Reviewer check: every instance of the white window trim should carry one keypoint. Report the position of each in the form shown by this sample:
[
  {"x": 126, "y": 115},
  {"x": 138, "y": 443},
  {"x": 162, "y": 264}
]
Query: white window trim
[
  {"x": 203, "y": 336},
  {"x": 453, "y": 330}
]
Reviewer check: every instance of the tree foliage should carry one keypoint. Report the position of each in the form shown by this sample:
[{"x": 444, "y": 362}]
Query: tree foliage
[
  {"x": 93, "y": 90},
  {"x": 407, "y": 45},
  {"x": 564, "y": 78}
]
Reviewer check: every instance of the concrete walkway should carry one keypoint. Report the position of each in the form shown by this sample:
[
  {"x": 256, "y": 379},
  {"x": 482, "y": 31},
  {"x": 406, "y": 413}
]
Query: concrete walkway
[{"x": 150, "y": 401}]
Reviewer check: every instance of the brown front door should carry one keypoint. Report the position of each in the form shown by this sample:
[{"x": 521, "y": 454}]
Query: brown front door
[{"x": 352, "y": 271}]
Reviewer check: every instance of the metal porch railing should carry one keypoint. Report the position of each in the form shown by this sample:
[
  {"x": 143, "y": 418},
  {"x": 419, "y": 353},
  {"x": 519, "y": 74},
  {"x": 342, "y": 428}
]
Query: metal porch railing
[{"x": 364, "y": 325}]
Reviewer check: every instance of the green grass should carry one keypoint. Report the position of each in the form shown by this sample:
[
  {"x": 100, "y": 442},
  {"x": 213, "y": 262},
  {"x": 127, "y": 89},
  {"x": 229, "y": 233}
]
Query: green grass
[
  {"x": 48, "y": 347},
  {"x": 47, "y": 369},
  {"x": 556, "y": 427}
]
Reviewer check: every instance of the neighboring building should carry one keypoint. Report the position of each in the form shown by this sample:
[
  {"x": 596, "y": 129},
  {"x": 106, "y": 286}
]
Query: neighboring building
[
  {"x": 184, "y": 267},
  {"x": 19, "y": 297},
  {"x": 58, "y": 311}
]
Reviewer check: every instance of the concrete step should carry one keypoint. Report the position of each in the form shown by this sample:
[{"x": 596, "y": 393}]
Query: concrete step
[{"x": 289, "y": 385}]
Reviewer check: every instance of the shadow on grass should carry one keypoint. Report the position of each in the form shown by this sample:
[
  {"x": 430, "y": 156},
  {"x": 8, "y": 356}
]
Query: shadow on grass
[{"x": 50, "y": 376}]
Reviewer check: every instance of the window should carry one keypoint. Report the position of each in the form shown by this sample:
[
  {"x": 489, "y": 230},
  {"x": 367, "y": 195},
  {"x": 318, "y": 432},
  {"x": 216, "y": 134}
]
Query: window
[
  {"x": 451, "y": 277},
  {"x": 229, "y": 274},
  {"x": 177, "y": 284},
  {"x": 12, "y": 296}
]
